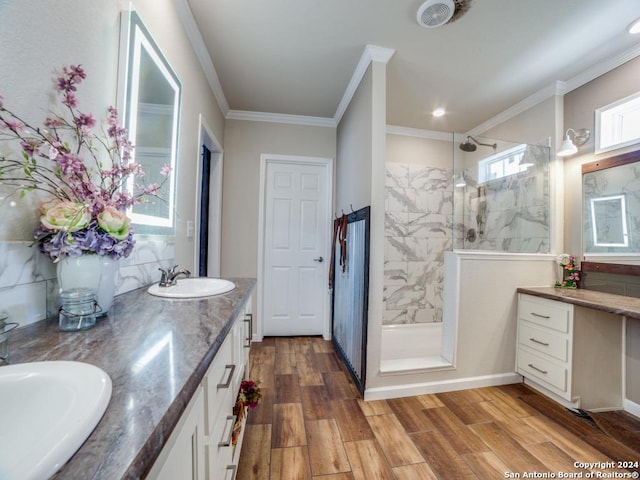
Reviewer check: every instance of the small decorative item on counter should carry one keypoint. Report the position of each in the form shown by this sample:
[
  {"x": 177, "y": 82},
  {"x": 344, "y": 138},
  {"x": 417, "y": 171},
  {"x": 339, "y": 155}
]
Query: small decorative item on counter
[
  {"x": 78, "y": 309},
  {"x": 248, "y": 397},
  {"x": 569, "y": 271}
]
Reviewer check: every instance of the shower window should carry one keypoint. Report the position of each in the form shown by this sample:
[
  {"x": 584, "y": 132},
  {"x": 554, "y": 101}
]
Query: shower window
[
  {"x": 503, "y": 203},
  {"x": 502, "y": 164}
]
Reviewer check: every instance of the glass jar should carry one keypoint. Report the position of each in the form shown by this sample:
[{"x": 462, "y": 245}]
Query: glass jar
[
  {"x": 5, "y": 328},
  {"x": 78, "y": 309}
]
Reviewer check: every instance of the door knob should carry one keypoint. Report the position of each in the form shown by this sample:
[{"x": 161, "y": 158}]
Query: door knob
[{"x": 319, "y": 259}]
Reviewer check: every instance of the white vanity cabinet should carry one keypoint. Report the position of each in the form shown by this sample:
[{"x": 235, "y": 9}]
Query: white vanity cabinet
[
  {"x": 183, "y": 455},
  {"x": 570, "y": 353},
  {"x": 200, "y": 447}
]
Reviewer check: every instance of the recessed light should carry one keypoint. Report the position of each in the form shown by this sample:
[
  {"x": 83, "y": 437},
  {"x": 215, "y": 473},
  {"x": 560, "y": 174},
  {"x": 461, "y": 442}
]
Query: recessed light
[
  {"x": 634, "y": 27},
  {"x": 438, "y": 112}
]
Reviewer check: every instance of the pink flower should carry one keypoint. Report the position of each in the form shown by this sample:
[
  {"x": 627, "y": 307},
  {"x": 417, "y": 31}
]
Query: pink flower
[
  {"x": 166, "y": 170},
  {"x": 66, "y": 216},
  {"x": 85, "y": 121},
  {"x": 70, "y": 164},
  {"x": 30, "y": 147},
  {"x": 69, "y": 99},
  {"x": 15, "y": 125},
  {"x": 114, "y": 222}
]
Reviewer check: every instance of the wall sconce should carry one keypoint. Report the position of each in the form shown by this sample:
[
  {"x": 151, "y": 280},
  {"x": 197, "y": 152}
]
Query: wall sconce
[{"x": 569, "y": 147}]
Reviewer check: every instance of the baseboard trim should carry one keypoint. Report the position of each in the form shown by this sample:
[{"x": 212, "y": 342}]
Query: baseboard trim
[
  {"x": 408, "y": 390},
  {"x": 631, "y": 407}
]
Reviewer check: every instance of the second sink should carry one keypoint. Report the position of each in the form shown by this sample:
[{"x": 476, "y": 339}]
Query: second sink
[{"x": 193, "y": 288}]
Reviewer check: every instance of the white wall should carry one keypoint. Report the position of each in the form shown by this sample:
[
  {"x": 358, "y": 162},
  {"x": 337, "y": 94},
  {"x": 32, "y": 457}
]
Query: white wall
[
  {"x": 354, "y": 149},
  {"x": 245, "y": 141}
]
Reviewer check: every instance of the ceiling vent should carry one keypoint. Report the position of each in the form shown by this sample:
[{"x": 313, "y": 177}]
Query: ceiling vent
[{"x": 434, "y": 13}]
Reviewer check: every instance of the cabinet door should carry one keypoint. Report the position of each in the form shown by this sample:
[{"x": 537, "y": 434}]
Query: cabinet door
[{"x": 185, "y": 459}]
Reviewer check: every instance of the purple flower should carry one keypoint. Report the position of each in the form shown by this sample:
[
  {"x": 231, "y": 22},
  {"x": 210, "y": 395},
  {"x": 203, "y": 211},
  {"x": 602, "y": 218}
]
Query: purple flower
[
  {"x": 85, "y": 121},
  {"x": 70, "y": 164},
  {"x": 69, "y": 99},
  {"x": 30, "y": 147},
  {"x": 65, "y": 84}
]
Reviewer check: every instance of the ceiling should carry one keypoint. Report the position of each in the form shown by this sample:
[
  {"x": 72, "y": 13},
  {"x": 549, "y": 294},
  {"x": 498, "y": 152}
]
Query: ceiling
[{"x": 297, "y": 56}]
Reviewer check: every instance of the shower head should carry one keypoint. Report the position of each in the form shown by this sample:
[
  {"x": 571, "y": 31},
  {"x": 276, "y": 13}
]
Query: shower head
[{"x": 468, "y": 146}]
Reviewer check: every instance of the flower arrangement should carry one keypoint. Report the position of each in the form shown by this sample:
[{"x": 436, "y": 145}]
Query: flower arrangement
[
  {"x": 570, "y": 271},
  {"x": 84, "y": 173},
  {"x": 249, "y": 393}
]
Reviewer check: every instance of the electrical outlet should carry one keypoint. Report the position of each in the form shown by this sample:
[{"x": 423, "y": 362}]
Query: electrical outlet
[{"x": 190, "y": 228}]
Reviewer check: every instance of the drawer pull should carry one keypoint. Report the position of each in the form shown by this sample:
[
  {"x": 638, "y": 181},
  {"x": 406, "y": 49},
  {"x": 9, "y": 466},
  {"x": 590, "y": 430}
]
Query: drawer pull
[
  {"x": 248, "y": 318},
  {"x": 539, "y": 315},
  {"x": 233, "y": 469},
  {"x": 538, "y": 342},
  {"x": 544, "y": 372},
  {"x": 232, "y": 369},
  {"x": 227, "y": 441}
]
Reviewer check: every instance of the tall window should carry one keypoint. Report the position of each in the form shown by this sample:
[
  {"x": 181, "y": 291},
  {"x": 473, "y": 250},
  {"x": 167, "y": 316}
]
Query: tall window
[{"x": 618, "y": 124}]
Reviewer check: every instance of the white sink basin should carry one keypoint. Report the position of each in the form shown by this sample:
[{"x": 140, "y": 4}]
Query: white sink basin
[
  {"x": 47, "y": 411},
  {"x": 193, "y": 288}
]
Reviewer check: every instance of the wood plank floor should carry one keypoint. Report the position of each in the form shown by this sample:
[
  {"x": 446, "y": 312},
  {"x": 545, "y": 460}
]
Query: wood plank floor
[{"x": 313, "y": 425}]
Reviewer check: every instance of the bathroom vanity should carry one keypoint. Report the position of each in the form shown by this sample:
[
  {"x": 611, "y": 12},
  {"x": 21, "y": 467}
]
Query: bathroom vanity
[
  {"x": 570, "y": 345},
  {"x": 176, "y": 367}
]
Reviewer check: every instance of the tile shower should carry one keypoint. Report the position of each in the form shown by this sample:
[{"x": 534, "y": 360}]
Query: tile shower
[{"x": 430, "y": 210}]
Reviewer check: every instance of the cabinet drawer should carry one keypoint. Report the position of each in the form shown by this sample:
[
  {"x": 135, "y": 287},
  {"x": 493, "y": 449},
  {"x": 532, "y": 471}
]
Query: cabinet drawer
[
  {"x": 219, "y": 383},
  {"x": 543, "y": 340},
  {"x": 544, "y": 312},
  {"x": 539, "y": 368},
  {"x": 219, "y": 448}
]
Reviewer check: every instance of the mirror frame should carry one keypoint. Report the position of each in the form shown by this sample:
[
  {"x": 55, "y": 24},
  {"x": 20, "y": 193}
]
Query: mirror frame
[
  {"x": 137, "y": 38},
  {"x": 603, "y": 267}
]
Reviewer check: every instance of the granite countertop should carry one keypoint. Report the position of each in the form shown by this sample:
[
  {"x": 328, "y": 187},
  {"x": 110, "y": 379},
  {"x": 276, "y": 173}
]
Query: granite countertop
[
  {"x": 606, "y": 302},
  {"x": 156, "y": 352}
]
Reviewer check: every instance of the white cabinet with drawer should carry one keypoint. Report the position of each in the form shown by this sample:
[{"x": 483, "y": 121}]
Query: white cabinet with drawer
[
  {"x": 201, "y": 445},
  {"x": 569, "y": 352}
]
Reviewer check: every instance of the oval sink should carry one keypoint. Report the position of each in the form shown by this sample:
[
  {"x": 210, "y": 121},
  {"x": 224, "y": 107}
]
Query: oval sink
[
  {"x": 193, "y": 288},
  {"x": 47, "y": 411}
]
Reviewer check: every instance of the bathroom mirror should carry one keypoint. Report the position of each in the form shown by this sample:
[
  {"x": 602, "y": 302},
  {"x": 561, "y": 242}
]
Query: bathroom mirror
[
  {"x": 611, "y": 211},
  {"x": 151, "y": 114},
  {"x": 609, "y": 221}
]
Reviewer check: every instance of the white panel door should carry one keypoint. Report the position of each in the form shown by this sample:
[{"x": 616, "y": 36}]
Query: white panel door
[{"x": 295, "y": 243}]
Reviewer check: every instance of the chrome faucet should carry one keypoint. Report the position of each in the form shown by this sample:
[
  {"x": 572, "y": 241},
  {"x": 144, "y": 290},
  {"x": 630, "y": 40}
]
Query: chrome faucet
[{"x": 169, "y": 277}]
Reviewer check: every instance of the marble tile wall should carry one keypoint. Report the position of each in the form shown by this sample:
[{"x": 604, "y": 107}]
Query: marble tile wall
[
  {"x": 28, "y": 286},
  {"x": 418, "y": 230},
  {"x": 516, "y": 211}
]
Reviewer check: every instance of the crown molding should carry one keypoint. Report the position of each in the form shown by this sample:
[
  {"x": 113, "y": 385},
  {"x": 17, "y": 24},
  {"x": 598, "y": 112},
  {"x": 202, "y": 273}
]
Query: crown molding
[
  {"x": 556, "y": 88},
  {"x": 372, "y": 53},
  {"x": 418, "y": 132},
  {"x": 601, "y": 68},
  {"x": 280, "y": 118},
  {"x": 200, "y": 49}
]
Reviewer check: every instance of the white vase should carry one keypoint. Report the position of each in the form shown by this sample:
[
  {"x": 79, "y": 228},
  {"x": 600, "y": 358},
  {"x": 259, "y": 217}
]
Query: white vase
[{"x": 96, "y": 272}]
